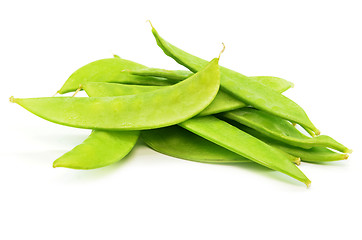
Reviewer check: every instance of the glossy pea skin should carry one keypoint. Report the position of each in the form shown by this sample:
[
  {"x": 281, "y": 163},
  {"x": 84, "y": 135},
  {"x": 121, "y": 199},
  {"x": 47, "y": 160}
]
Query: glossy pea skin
[
  {"x": 222, "y": 102},
  {"x": 108, "y": 70},
  {"x": 100, "y": 149},
  {"x": 314, "y": 154},
  {"x": 245, "y": 89},
  {"x": 280, "y": 129},
  {"x": 233, "y": 139},
  {"x": 164, "y": 107}
]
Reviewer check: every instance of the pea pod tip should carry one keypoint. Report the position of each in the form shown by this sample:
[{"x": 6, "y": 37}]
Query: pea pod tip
[
  {"x": 12, "y": 99},
  {"x": 348, "y": 151}
]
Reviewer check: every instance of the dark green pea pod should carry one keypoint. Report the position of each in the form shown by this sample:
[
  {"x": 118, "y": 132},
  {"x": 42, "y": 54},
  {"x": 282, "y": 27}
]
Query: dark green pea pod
[
  {"x": 109, "y": 70},
  {"x": 242, "y": 87},
  {"x": 100, "y": 149},
  {"x": 280, "y": 129},
  {"x": 314, "y": 154}
]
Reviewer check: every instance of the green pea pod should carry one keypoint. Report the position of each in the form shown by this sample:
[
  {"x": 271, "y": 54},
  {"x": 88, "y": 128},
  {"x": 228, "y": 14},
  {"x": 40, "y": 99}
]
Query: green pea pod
[
  {"x": 164, "y": 107},
  {"x": 109, "y": 70},
  {"x": 314, "y": 154},
  {"x": 233, "y": 139},
  {"x": 242, "y": 87},
  {"x": 178, "y": 142},
  {"x": 100, "y": 149},
  {"x": 280, "y": 129},
  {"x": 223, "y": 102}
]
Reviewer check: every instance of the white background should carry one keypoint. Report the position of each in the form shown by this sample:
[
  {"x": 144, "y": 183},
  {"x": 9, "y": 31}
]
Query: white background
[{"x": 315, "y": 44}]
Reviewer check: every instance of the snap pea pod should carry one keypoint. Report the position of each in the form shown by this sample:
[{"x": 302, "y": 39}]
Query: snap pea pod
[
  {"x": 242, "y": 87},
  {"x": 314, "y": 154},
  {"x": 223, "y": 102},
  {"x": 233, "y": 139},
  {"x": 280, "y": 129},
  {"x": 164, "y": 107},
  {"x": 100, "y": 149},
  {"x": 178, "y": 142},
  {"x": 109, "y": 70}
]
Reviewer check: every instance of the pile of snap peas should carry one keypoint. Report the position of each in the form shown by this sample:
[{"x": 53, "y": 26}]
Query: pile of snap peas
[{"x": 209, "y": 114}]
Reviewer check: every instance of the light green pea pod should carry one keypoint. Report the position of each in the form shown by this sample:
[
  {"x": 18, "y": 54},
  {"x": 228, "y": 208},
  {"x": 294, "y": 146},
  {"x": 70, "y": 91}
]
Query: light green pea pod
[
  {"x": 223, "y": 102},
  {"x": 109, "y": 70},
  {"x": 233, "y": 139},
  {"x": 100, "y": 149},
  {"x": 164, "y": 107},
  {"x": 280, "y": 129},
  {"x": 314, "y": 154},
  {"x": 242, "y": 87}
]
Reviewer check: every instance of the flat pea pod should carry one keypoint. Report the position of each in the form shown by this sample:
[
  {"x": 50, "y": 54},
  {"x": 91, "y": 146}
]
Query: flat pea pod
[
  {"x": 280, "y": 129},
  {"x": 109, "y": 70},
  {"x": 314, "y": 154},
  {"x": 100, "y": 149},
  {"x": 233, "y": 139},
  {"x": 223, "y": 102},
  {"x": 164, "y": 107},
  {"x": 245, "y": 89},
  {"x": 178, "y": 142}
]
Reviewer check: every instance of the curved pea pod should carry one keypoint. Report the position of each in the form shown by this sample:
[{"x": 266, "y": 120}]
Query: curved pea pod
[
  {"x": 244, "y": 88},
  {"x": 280, "y": 129},
  {"x": 100, "y": 149},
  {"x": 109, "y": 70},
  {"x": 178, "y": 142},
  {"x": 233, "y": 139},
  {"x": 314, "y": 154},
  {"x": 223, "y": 102},
  {"x": 164, "y": 107}
]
